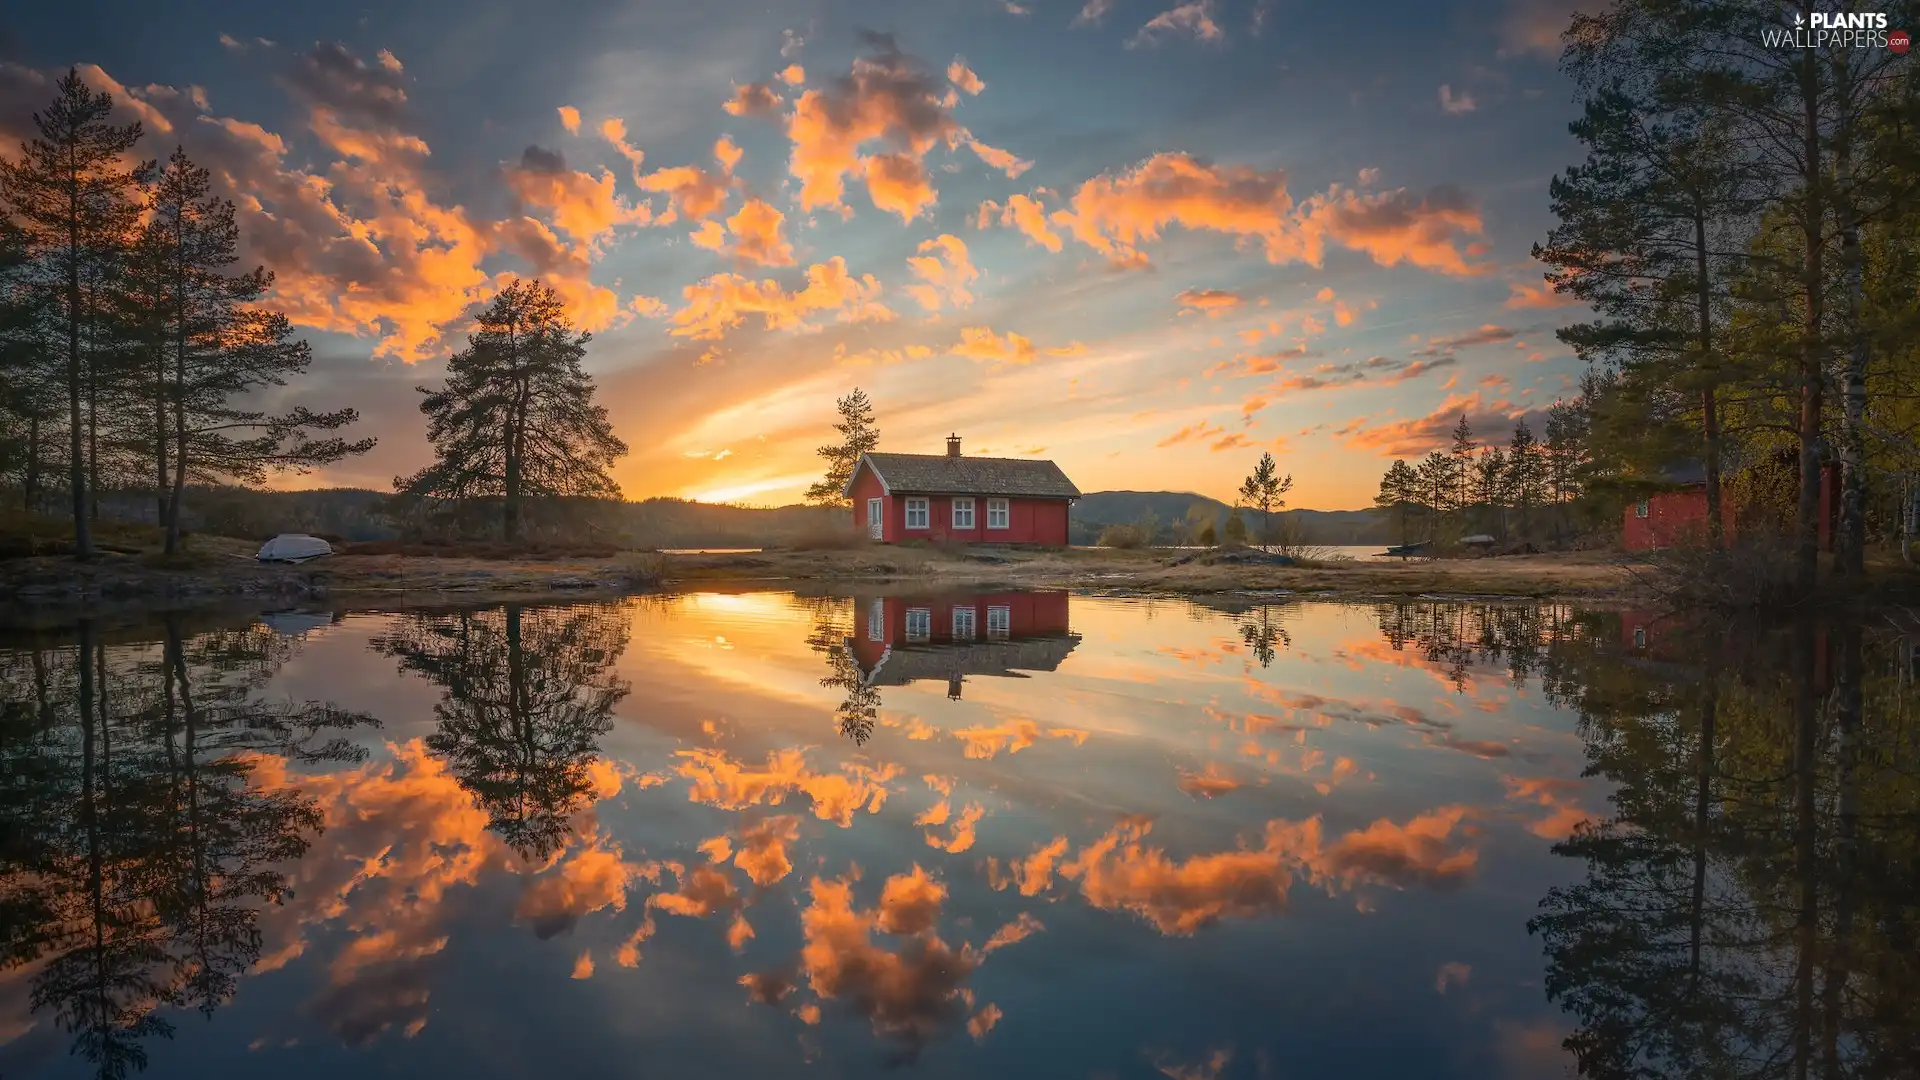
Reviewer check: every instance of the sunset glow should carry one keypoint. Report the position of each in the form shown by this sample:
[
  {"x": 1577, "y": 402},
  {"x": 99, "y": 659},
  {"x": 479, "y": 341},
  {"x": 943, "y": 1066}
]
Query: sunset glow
[{"x": 1146, "y": 243}]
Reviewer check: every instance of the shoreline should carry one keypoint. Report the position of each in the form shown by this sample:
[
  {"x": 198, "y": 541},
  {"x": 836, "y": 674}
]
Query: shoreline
[{"x": 45, "y": 589}]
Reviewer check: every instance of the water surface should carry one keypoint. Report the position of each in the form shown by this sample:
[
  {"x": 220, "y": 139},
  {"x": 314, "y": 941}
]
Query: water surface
[{"x": 1024, "y": 834}]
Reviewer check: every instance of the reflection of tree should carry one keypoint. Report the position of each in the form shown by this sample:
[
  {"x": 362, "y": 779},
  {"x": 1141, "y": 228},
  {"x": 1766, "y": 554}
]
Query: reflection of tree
[
  {"x": 140, "y": 848},
  {"x": 528, "y": 693},
  {"x": 1262, "y": 634},
  {"x": 1457, "y": 635},
  {"x": 859, "y": 709},
  {"x": 1750, "y": 908}
]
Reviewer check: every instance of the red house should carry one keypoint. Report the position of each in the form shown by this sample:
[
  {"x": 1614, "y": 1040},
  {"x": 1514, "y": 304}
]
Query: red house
[
  {"x": 978, "y": 500},
  {"x": 1667, "y": 519},
  {"x": 949, "y": 636}
]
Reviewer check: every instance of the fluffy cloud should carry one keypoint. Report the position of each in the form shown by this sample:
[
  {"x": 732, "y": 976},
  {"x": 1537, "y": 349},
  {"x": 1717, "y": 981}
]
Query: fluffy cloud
[
  {"x": 720, "y": 781},
  {"x": 1093, "y": 12},
  {"x": 570, "y": 119},
  {"x": 724, "y": 301},
  {"x": 944, "y": 271},
  {"x": 584, "y": 205},
  {"x": 758, "y": 235},
  {"x": 695, "y": 192},
  {"x": 1193, "y": 19},
  {"x": 1012, "y": 736},
  {"x": 1414, "y": 437},
  {"x": 1024, "y": 213},
  {"x": 754, "y": 99},
  {"x": 1526, "y": 296},
  {"x": 1117, "y": 214}
]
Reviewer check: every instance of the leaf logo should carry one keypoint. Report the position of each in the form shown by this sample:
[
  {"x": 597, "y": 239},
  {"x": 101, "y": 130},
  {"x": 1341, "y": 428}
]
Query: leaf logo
[{"x": 1799, "y": 20}]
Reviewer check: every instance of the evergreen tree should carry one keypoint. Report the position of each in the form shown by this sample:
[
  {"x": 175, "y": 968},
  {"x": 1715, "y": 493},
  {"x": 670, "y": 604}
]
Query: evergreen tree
[
  {"x": 516, "y": 417},
  {"x": 76, "y": 200},
  {"x": 207, "y": 342},
  {"x": 857, "y": 436},
  {"x": 1462, "y": 454},
  {"x": 1264, "y": 490},
  {"x": 1490, "y": 484},
  {"x": 1234, "y": 532},
  {"x": 1398, "y": 489},
  {"x": 1525, "y": 471}
]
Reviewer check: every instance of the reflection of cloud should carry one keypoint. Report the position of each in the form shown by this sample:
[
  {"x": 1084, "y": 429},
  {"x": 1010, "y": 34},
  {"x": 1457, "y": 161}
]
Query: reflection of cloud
[
  {"x": 763, "y": 849},
  {"x": 1033, "y": 874},
  {"x": 1211, "y": 782},
  {"x": 910, "y": 993},
  {"x": 1013, "y": 736},
  {"x": 1552, "y": 793},
  {"x": 720, "y": 781},
  {"x": 961, "y": 835},
  {"x": 1120, "y": 873},
  {"x": 1452, "y": 973},
  {"x": 590, "y": 880},
  {"x": 1209, "y": 1069}
]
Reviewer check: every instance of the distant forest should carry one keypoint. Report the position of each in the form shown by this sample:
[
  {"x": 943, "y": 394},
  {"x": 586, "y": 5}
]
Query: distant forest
[{"x": 361, "y": 515}]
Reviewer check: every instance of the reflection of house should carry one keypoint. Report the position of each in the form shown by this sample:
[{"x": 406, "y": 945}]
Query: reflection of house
[
  {"x": 977, "y": 500},
  {"x": 1666, "y": 640},
  {"x": 903, "y": 639},
  {"x": 1671, "y": 518}
]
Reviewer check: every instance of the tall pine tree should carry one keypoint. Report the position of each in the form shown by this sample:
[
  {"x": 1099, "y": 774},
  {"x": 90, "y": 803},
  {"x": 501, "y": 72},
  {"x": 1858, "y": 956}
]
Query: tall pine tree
[
  {"x": 857, "y": 436},
  {"x": 516, "y": 418}
]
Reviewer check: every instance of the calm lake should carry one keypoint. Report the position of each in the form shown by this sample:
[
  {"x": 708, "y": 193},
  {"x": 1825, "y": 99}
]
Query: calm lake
[{"x": 1012, "y": 834}]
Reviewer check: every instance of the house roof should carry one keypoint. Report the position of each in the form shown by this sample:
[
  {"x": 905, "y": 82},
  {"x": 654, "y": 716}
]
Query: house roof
[
  {"x": 941, "y": 474},
  {"x": 900, "y": 665}
]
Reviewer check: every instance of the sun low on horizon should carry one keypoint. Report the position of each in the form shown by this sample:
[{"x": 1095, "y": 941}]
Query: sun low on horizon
[{"x": 1146, "y": 239}]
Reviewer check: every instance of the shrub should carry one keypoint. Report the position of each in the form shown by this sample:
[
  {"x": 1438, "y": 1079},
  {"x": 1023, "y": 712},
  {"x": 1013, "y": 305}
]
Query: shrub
[
  {"x": 1125, "y": 537},
  {"x": 1207, "y": 537},
  {"x": 838, "y": 536},
  {"x": 1235, "y": 533},
  {"x": 1755, "y": 572}
]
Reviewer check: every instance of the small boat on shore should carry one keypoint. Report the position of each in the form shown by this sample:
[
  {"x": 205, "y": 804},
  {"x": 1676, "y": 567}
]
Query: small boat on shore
[
  {"x": 293, "y": 548},
  {"x": 1404, "y": 551}
]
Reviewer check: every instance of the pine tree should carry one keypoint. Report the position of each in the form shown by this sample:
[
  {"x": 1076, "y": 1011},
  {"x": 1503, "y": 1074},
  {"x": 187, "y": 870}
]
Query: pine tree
[
  {"x": 858, "y": 436},
  {"x": 1462, "y": 454},
  {"x": 1234, "y": 532},
  {"x": 516, "y": 417},
  {"x": 1490, "y": 484},
  {"x": 1398, "y": 489},
  {"x": 1263, "y": 490},
  {"x": 1524, "y": 472},
  {"x": 75, "y": 200},
  {"x": 207, "y": 342}
]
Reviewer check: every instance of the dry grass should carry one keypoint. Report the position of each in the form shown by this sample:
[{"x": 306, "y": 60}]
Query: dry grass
[
  {"x": 491, "y": 550},
  {"x": 830, "y": 537}
]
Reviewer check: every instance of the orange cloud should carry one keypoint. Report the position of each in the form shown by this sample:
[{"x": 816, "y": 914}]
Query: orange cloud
[
  {"x": 1033, "y": 874},
  {"x": 1191, "y": 432},
  {"x": 1212, "y": 302},
  {"x": 1394, "y": 227},
  {"x": 1552, "y": 793},
  {"x": 912, "y": 994},
  {"x": 720, "y": 781},
  {"x": 1207, "y": 784},
  {"x": 1013, "y": 736},
  {"x": 695, "y": 192},
  {"x": 583, "y": 205},
  {"x": 724, "y": 301},
  {"x": 570, "y": 119},
  {"x": 763, "y": 849},
  {"x": 1193, "y": 19},
  {"x": 758, "y": 235},
  {"x": 887, "y": 98},
  {"x": 1024, "y": 213},
  {"x": 754, "y": 99},
  {"x": 1118, "y": 873},
  {"x": 961, "y": 835},
  {"x": 981, "y": 343},
  {"x": 614, "y": 130},
  {"x": 1537, "y": 296},
  {"x": 1020, "y": 929},
  {"x": 944, "y": 270},
  {"x": 793, "y": 75},
  {"x": 1005, "y": 160},
  {"x": 962, "y": 76}
]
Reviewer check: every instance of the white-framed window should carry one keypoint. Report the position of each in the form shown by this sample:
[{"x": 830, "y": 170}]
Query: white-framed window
[
  {"x": 999, "y": 620},
  {"x": 1639, "y": 637},
  {"x": 963, "y": 513},
  {"x": 877, "y": 620},
  {"x": 963, "y": 623},
  {"x": 917, "y": 514},
  {"x": 1640, "y": 509},
  {"x": 919, "y": 623},
  {"x": 998, "y": 516}
]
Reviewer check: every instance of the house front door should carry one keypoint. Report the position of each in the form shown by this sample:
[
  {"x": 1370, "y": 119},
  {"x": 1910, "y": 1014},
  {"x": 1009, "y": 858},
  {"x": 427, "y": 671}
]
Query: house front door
[{"x": 876, "y": 517}]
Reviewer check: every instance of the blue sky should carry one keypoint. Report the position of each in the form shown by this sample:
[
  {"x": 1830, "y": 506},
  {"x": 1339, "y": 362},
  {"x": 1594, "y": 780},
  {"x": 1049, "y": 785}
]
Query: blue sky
[{"x": 1280, "y": 226}]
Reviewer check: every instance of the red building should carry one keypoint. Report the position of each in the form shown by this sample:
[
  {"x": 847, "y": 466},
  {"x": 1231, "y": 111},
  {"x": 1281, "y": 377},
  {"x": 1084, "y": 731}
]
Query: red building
[
  {"x": 976, "y": 500},
  {"x": 1667, "y": 519},
  {"x": 949, "y": 636}
]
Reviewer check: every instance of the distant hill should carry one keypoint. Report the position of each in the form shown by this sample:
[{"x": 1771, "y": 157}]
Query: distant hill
[
  {"x": 358, "y": 514},
  {"x": 1100, "y": 509}
]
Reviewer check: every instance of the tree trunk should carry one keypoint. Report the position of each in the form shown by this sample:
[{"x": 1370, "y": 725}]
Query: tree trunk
[
  {"x": 1806, "y": 868},
  {"x": 179, "y": 448},
  {"x": 1850, "y": 548},
  {"x": 93, "y": 437},
  {"x": 1709, "y": 405},
  {"x": 76, "y": 464},
  {"x": 160, "y": 483},
  {"x": 1812, "y": 373},
  {"x": 1703, "y": 809},
  {"x": 30, "y": 488}
]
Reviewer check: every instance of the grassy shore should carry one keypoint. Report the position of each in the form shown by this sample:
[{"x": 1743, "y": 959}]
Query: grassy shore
[{"x": 130, "y": 572}]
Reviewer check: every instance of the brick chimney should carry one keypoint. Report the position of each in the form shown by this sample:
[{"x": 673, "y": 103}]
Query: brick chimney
[{"x": 953, "y": 446}]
